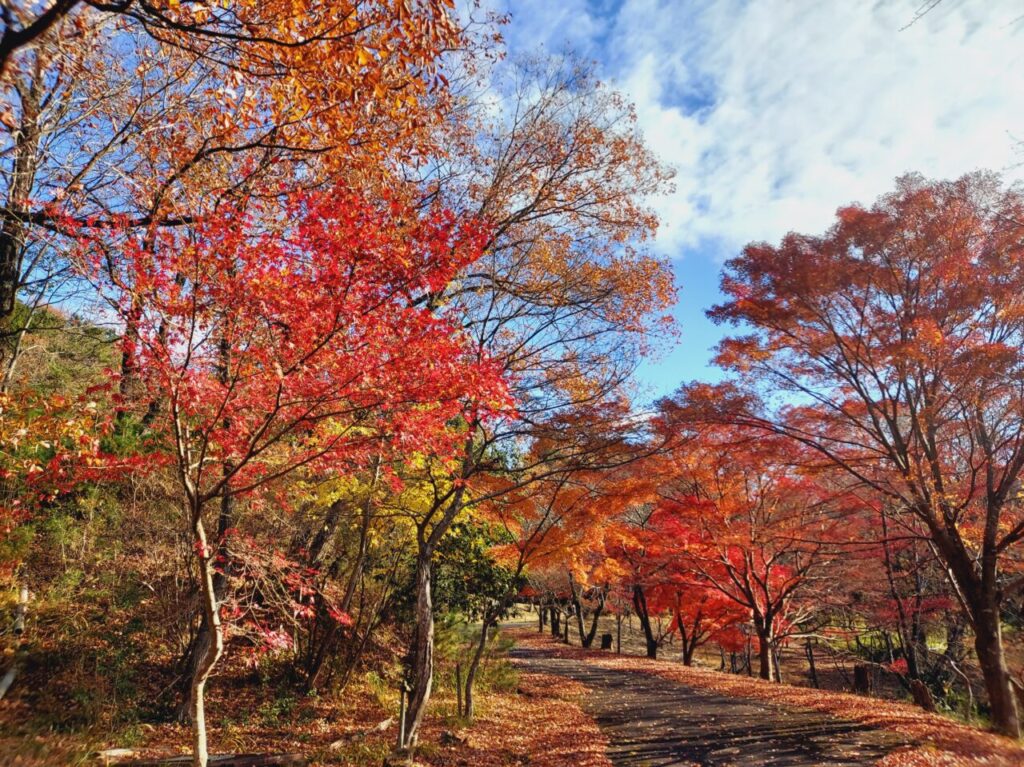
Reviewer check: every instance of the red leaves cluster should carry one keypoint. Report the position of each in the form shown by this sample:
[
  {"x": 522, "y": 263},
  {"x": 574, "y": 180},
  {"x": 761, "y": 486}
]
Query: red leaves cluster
[
  {"x": 268, "y": 594},
  {"x": 309, "y": 343}
]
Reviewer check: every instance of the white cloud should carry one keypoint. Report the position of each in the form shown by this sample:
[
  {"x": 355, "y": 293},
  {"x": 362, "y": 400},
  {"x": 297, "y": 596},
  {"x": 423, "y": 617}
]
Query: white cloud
[{"x": 776, "y": 112}]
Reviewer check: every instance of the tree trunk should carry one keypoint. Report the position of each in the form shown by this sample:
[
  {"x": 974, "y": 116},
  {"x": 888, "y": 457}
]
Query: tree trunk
[
  {"x": 810, "y": 663},
  {"x": 766, "y": 665},
  {"x": 764, "y": 658},
  {"x": 862, "y": 679},
  {"x": 372, "y": 620},
  {"x": 201, "y": 644},
  {"x": 204, "y": 640},
  {"x": 13, "y": 224},
  {"x": 689, "y": 641},
  {"x": 458, "y": 688},
  {"x": 577, "y": 608},
  {"x": 588, "y": 640},
  {"x": 422, "y": 670},
  {"x": 331, "y": 629},
  {"x": 922, "y": 695},
  {"x": 640, "y": 606},
  {"x": 474, "y": 664},
  {"x": 688, "y": 651},
  {"x": 213, "y": 650},
  {"x": 328, "y": 526},
  {"x": 21, "y": 653},
  {"x": 981, "y": 596},
  {"x": 422, "y": 666},
  {"x": 988, "y": 643}
]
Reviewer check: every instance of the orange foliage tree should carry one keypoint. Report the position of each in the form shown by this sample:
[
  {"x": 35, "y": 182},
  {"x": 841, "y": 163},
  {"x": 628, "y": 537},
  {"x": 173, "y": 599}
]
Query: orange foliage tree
[
  {"x": 566, "y": 297},
  {"x": 149, "y": 115},
  {"x": 898, "y": 336},
  {"x": 561, "y": 504},
  {"x": 746, "y": 519}
]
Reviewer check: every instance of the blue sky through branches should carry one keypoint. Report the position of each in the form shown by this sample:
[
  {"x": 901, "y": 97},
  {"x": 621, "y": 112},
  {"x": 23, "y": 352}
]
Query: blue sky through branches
[{"x": 776, "y": 112}]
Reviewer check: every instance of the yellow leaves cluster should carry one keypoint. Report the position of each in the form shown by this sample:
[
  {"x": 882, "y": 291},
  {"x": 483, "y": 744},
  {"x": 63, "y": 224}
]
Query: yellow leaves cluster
[{"x": 34, "y": 429}]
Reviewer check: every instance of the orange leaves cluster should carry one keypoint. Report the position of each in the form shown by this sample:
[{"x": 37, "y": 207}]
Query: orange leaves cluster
[
  {"x": 325, "y": 74},
  {"x": 921, "y": 276},
  {"x": 164, "y": 109},
  {"x": 904, "y": 320},
  {"x": 564, "y": 514}
]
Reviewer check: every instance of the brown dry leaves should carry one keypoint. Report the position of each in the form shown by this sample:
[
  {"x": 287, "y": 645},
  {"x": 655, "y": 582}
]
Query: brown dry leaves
[{"x": 543, "y": 726}]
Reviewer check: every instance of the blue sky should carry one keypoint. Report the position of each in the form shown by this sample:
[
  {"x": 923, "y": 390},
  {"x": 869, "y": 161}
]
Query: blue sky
[{"x": 776, "y": 112}]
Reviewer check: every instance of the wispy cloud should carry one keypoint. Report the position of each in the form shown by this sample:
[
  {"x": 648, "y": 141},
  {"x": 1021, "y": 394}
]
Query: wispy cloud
[{"x": 776, "y": 112}]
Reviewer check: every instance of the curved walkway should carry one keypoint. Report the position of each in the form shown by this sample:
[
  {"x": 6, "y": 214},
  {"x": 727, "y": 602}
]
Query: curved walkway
[{"x": 653, "y": 721}]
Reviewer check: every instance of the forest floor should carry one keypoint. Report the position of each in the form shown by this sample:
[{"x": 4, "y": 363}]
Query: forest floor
[
  {"x": 522, "y": 718},
  {"x": 555, "y": 706},
  {"x": 657, "y": 712},
  {"x": 653, "y": 721}
]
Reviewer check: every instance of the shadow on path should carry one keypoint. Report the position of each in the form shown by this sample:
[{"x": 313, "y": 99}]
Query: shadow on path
[{"x": 654, "y": 721}]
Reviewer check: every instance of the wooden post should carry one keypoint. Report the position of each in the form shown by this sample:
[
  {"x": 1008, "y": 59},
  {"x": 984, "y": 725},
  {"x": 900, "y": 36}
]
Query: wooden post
[{"x": 618, "y": 635}]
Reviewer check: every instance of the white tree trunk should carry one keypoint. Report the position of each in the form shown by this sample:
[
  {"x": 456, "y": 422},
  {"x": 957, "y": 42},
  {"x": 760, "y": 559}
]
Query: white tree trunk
[{"x": 200, "y": 753}]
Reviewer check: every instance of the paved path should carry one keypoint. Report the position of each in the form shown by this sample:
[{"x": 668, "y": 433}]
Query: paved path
[{"x": 653, "y": 721}]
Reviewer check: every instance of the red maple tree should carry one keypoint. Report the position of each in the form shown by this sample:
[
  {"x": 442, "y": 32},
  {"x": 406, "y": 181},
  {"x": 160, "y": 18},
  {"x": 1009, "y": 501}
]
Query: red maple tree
[
  {"x": 264, "y": 352},
  {"x": 898, "y": 336}
]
